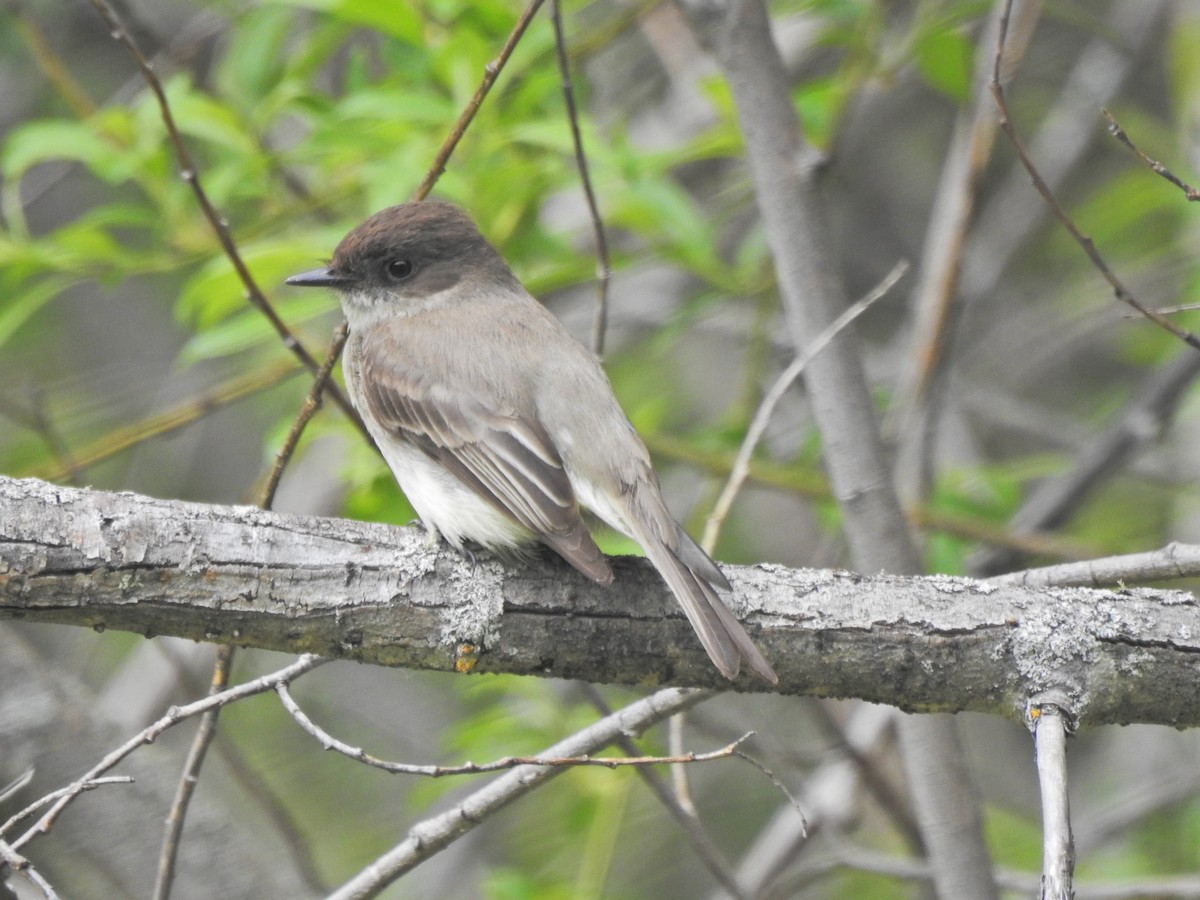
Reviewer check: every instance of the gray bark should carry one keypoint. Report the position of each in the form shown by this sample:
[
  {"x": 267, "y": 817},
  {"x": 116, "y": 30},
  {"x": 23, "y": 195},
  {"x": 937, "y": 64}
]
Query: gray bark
[
  {"x": 100, "y": 848},
  {"x": 381, "y": 595}
]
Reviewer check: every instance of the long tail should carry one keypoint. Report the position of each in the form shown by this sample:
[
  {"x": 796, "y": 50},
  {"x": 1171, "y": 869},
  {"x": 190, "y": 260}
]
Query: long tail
[{"x": 694, "y": 579}]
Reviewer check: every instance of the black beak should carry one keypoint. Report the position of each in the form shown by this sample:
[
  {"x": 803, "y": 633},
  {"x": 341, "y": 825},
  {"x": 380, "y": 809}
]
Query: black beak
[{"x": 326, "y": 278}]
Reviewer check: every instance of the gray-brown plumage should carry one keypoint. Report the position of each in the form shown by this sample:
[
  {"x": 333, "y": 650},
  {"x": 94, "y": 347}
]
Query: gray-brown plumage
[{"x": 497, "y": 423}]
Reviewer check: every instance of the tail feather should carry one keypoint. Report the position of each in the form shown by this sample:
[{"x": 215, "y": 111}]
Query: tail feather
[
  {"x": 693, "y": 556},
  {"x": 689, "y": 572},
  {"x": 723, "y": 637}
]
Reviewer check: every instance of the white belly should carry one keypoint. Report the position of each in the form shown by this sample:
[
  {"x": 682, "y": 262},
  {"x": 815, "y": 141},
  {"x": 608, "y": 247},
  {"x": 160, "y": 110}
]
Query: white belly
[{"x": 445, "y": 505}]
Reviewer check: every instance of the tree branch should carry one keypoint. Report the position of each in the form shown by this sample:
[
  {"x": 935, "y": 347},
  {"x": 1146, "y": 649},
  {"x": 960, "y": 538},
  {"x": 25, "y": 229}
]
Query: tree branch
[
  {"x": 379, "y": 594},
  {"x": 1050, "y": 729},
  {"x": 429, "y": 836}
]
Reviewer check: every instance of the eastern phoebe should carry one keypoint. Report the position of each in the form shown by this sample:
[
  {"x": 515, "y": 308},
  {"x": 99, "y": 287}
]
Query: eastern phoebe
[{"x": 497, "y": 423}]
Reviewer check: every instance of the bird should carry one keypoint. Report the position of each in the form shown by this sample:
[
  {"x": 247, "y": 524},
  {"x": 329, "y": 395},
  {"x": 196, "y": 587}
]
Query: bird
[{"x": 499, "y": 426}]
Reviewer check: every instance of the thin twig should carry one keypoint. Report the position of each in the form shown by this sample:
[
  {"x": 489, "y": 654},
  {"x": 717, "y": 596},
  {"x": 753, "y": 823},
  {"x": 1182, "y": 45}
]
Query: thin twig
[
  {"x": 1115, "y": 129},
  {"x": 150, "y": 733},
  {"x": 1085, "y": 242},
  {"x": 220, "y": 226},
  {"x": 57, "y": 72},
  {"x": 603, "y": 268},
  {"x": 36, "y": 419},
  {"x": 437, "y": 832},
  {"x": 779, "y": 785},
  {"x": 191, "y": 776},
  {"x": 832, "y": 795},
  {"x": 163, "y": 423},
  {"x": 312, "y": 402},
  {"x": 1167, "y": 310},
  {"x": 329, "y": 742},
  {"x": 490, "y": 72},
  {"x": 10, "y": 859},
  {"x": 90, "y": 785},
  {"x": 224, "y": 662},
  {"x": 256, "y": 789},
  {"x": 762, "y": 416},
  {"x": 1173, "y": 561},
  {"x": 685, "y": 815},
  {"x": 17, "y": 785}
]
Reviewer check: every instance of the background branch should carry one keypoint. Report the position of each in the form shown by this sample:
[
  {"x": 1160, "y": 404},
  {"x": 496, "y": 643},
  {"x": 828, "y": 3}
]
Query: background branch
[
  {"x": 430, "y": 836},
  {"x": 1120, "y": 291},
  {"x": 190, "y": 174}
]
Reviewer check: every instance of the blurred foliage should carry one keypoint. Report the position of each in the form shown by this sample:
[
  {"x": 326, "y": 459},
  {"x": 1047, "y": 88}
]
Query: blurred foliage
[{"x": 304, "y": 116}]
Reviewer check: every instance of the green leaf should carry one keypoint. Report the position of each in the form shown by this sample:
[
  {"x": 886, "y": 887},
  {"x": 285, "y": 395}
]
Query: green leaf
[
  {"x": 944, "y": 59},
  {"x": 26, "y": 301},
  {"x": 554, "y": 135},
  {"x": 819, "y": 104},
  {"x": 216, "y": 291},
  {"x": 254, "y": 60},
  {"x": 398, "y": 20},
  {"x": 200, "y": 116},
  {"x": 250, "y": 328},
  {"x": 385, "y": 105},
  {"x": 1183, "y": 45},
  {"x": 60, "y": 139}
]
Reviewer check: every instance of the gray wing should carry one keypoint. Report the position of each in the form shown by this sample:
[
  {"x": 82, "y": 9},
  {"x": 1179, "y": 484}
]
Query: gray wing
[{"x": 506, "y": 458}]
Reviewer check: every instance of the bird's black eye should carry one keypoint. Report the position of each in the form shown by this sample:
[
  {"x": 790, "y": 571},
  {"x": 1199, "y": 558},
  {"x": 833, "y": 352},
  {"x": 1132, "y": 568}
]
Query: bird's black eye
[{"x": 399, "y": 269}]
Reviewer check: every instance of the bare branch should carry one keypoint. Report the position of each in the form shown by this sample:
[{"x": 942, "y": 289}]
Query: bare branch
[
  {"x": 190, "y": 174},
  {"x": 10, "y": 859},
  {"x": 1175, "y": 560},
  {"x": 148, "y": 735},
  {"x": 1115, "y": 129},
  {"x": 1050, "y": 725},
  {"x": 762, "y": 416},
  {"x": 603, "y": 270},
  {"x": 1089, "y": 248},
  {"x": 17, "y": 785},
  {"x": 490, "y": 73},
  {"x": 89, "y": 785},
  {"x": 329, "y": 742},
  {"x": 380, "y": 594},
  {"x": 191, "y": 776},
  {"x": 432, "y": 835}
]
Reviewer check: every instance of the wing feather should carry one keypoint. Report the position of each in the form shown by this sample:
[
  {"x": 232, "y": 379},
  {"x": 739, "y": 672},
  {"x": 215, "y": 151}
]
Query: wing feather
[{"x": 505, "y": 456}]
